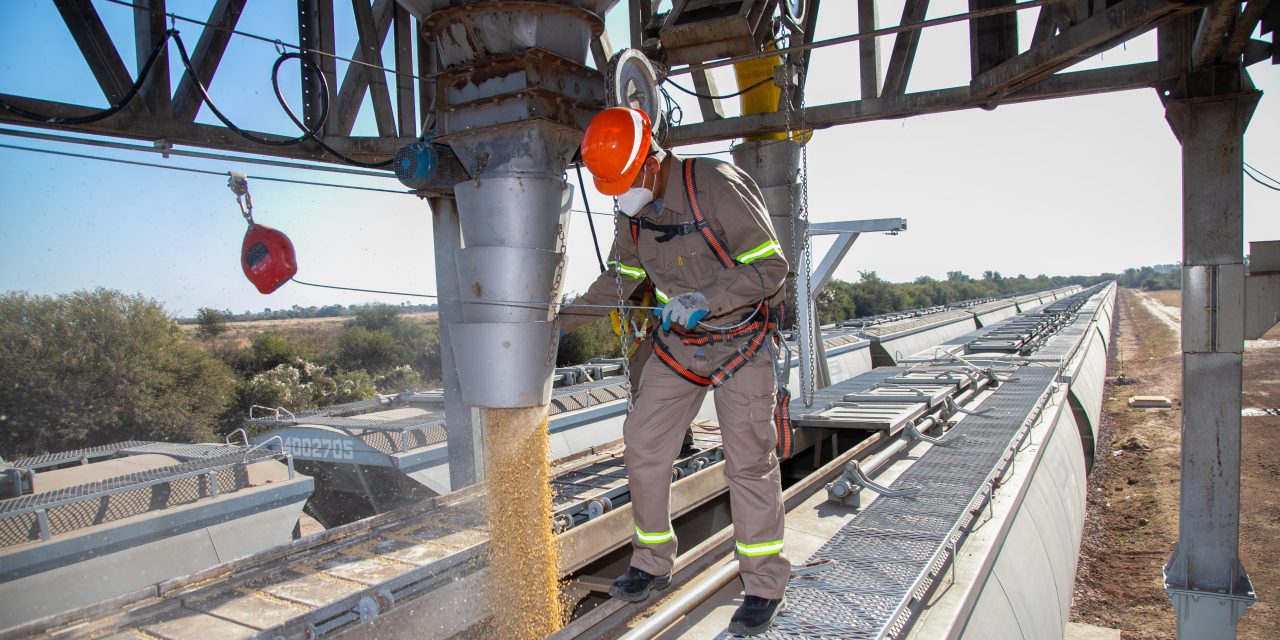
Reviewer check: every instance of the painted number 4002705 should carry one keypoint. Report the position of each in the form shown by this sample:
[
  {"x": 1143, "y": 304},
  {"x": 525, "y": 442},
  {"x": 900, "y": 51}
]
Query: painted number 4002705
[{"x": 320, "y": 448}]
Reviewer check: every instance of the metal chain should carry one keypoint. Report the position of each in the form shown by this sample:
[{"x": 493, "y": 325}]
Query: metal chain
[
  {"x": 623, "y": 321},
  {"x": 802, "y": 216},
  {"x": 808, "y": 259},
  {"x": 561, "y": 248}
]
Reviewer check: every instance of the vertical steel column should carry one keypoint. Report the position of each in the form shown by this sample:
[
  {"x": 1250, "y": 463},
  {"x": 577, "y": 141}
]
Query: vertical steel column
[
  {"x": 775, "y": 166},
  {"x": 466, "y": 446},
  {"x": 1204, "y": 577}
]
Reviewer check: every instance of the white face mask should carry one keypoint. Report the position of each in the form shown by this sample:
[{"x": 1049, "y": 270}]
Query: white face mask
[{"x": 634, "y": 199}]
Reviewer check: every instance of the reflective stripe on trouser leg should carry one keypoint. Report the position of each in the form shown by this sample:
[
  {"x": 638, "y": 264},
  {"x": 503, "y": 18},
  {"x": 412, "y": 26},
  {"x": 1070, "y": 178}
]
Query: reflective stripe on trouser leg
[
  {"x": 759, "y": 548},
  {"x": 659, "y": 537},
  {"x": 744, "y": 408},
  {"x": 665, "y": 404}
]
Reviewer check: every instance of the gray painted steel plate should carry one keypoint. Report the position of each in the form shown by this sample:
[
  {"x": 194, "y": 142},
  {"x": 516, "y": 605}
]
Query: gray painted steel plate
[
  {"x": 930, "y": 394},
  {"x": 871, "y": 416}
]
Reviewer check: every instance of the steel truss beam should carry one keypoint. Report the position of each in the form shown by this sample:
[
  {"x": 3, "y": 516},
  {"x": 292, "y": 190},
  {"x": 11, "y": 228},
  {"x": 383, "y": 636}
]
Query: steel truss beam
[
  {"x": 1062, "y": 85},
  {"x": 142, "y": 126},
  {"x": 1000, "y": 74},
  {"x": 208, "y": 53},
  {"x": 96, "y": 46},
  {"x": 373, "y": 25},
  {"x": 1119, "y": 22},
  {"x": 161, "y": 113}
]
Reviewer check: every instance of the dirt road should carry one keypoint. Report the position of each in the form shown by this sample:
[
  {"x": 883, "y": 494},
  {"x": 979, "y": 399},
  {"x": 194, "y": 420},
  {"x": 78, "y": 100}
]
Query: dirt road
[{"x": 1132, "y": 519}]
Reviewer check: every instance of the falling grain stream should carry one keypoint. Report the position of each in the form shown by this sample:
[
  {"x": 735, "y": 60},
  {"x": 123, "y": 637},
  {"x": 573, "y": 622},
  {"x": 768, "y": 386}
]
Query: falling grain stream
[{"x": 524, "y": 582}]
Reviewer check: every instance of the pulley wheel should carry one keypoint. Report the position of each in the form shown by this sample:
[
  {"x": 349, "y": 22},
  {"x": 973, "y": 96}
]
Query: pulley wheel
[
  {"x": 634, "y": 83},
  {"x": 795, "y": 10}
]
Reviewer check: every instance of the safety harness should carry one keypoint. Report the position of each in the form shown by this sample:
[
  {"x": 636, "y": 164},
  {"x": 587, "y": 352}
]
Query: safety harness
[{"x": 756, "y": 334}]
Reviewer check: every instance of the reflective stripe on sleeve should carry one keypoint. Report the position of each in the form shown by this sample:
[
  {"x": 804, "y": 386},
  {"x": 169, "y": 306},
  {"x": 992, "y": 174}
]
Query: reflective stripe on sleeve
[
  {"x": 631, "y": 272},
  {"x": 765, "y": 250},
  {"x": 655, "y": 538},
  {"x": 760, "y": 548},
  {"x": 662, "y": 297}
]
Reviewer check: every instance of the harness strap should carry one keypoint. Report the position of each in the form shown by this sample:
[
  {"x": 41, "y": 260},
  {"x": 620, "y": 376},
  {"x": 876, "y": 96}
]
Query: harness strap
[
  {"x": 715, "y": 337},
  {"x": 713, "y": 240},
  {"x": 668, "y": 231},
  {"x": 661, "y": 350},
  {"x": 746, "y": 353}
]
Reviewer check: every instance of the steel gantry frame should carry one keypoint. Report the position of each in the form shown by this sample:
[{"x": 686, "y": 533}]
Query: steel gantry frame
[{"x": 1205, "y": 47}]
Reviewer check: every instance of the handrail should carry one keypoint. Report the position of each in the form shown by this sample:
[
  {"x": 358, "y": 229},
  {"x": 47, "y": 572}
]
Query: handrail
[{"x": 275, "y": 410}]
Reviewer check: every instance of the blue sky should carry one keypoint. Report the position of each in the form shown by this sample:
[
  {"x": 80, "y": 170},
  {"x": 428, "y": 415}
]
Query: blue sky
[{"x": 1076, "y": 186}]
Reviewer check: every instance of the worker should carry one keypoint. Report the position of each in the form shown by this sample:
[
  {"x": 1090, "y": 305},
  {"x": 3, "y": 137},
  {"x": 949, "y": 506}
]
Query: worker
[{"x": 699, "y": 230}]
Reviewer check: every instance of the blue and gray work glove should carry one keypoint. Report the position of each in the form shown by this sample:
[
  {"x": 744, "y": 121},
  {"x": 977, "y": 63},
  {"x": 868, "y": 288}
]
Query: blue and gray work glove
[{"x": 686, "y": 309}]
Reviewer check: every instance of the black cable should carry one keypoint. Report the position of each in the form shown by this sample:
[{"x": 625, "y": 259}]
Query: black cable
[
  {"x": 1259, "y": 172},
  {"x": 117, "y": 160},
  {"x": 323, "y": 115},
  {"x": 253, "y": 36},
  {"x": 202, "y": 171},
  {"x": 595, "y": 241},
  {"x": 723, "y": 97},
  {"x": 307, "y": 134},
  {"x": 1255, "y": 179},
  {"x": 105, "y": 113},
  {"x": 390, "y": 293},
  {"x": 528, "y": 304}
]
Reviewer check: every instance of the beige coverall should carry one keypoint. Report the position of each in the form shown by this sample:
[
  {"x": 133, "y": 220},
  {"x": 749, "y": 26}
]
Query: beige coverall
[{"x": 665, "y": 402}]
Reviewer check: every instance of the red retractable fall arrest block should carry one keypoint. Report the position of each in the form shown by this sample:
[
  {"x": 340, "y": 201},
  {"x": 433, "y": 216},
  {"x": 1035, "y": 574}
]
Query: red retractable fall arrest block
[{"x": 267, "y": 257}]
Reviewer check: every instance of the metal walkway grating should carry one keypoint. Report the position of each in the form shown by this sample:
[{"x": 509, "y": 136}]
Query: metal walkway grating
[
  {"x": 888, "y": 552},
  {"x": 55, "y": 459}
]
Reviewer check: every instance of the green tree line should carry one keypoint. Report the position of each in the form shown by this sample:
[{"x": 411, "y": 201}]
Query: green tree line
[
  {"x": 1157, "y": 278},
  {"x": 872, "y": 295},
  {"x": 95, "y": 367}
]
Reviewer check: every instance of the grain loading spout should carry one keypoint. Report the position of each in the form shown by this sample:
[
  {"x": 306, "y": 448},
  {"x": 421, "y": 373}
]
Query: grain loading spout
[{"x": 512, "y": 98}]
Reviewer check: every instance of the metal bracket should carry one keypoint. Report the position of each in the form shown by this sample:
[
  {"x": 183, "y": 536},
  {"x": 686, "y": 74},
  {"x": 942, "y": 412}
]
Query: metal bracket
[
  {"x": 950, "y": 408},
  {"x": 1201, "y": 612},
  {"x": 15, "y": 482},
  {"x": 945, "y": 441},
  {"x": 848, "y": 489},
  {"x": 810, "y": 568}
]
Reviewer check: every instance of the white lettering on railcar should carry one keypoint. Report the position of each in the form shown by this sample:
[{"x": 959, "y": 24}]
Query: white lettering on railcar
[{"x": 320, "y": 448}]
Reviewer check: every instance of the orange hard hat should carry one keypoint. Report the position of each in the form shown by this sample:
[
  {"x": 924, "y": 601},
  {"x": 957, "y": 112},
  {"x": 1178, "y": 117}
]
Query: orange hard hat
[{"x": 615, "y": 146}]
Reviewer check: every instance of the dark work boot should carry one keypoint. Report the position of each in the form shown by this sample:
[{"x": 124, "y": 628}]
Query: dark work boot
[
  {"x": 635, "y": 585},
  {"x": 755, "y": 615}
]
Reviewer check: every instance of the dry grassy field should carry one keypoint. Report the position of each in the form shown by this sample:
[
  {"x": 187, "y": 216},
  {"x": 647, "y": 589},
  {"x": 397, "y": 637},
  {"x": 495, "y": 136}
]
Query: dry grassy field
[{"x": 313, "y": 331}]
